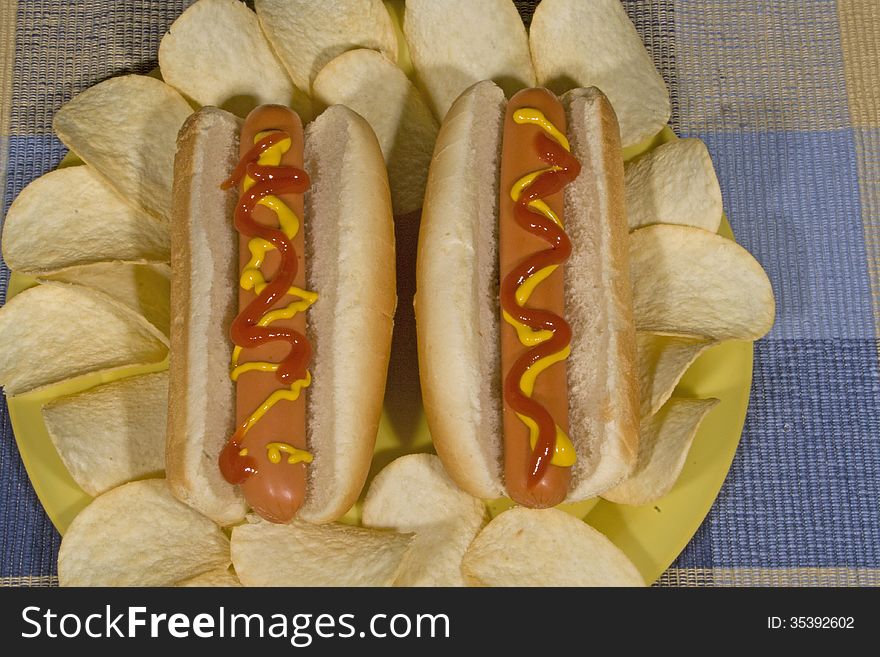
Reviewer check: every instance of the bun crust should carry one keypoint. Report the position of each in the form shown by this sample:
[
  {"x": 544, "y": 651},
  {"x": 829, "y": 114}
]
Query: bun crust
[
  {"x": 350, "y": 254},
  {"x": 204, "y": 301},
  {"x": 456, "y": 299}
]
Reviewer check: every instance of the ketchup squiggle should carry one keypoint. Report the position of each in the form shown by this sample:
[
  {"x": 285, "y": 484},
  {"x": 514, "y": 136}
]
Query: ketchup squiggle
[
  {"x": 236, "y": 466},
  {"x": 564, "y": 169}
]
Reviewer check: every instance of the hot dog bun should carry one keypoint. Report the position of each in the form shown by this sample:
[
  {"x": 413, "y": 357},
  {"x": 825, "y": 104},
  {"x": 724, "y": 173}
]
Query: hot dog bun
[
  {"x": 457, "y": 297},
  {"x": 349, "y": 244}
]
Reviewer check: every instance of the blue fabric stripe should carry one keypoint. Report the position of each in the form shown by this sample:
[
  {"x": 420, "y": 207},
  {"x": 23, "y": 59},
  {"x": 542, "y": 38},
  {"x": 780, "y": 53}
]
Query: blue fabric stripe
[
  {"x": 793, "y": 201},
  {"x": 28, "y": 540},
  {"x": 804, "y": 489}
]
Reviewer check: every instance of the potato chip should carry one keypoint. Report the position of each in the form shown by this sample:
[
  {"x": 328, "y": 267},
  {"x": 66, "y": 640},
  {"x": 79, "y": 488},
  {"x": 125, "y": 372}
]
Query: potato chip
[
  {"x": 594, "y": 44},
  {"x": 663, "y": 360},
  {"x": 139, "y": 535},
  {"x": 674, "y": 184},
  {"x": 457, "y": 43},
  {"x": 212, "y": 578},
  {"x": 216, "y": 54},
  {"x": 72, "y": 217},
  {"x": 302, "y": 554},
  {"x": 54, "y": 332},
  {"x": 308, "y": 34},
  {"x": 126, "y": 128},
  {"x": 545, "y": 547},
  {"x": 414, "y": 494},
  {"x": 113, "y": 433},
  {"x": 143, "y": 287},
  {"x": 688, "y": 281},
  {"x": 371, "y": 85},
  {"x": 664, "y": 442}
]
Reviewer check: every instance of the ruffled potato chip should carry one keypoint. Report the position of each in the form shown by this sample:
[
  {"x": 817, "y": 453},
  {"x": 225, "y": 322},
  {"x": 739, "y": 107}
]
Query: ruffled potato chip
[
  {"x": 221, "y": 577},
  {"x": 216, "y": 54},
  {"x": 688, "y": 281},
  {"x": 373, "y": 86},
  {"x": 594, "y": 44},
  {"x": 113, "y": 433},
  {"x": 545, "y": 547},
  {"x": 143, "y": 287},
  {"x": 302, "y": 554},
  {"x": 126, "y": 129},
  {"x": 139, "y": 535},
  {"x": 664, "y": 442},
  {"x": 457, "y": 43},
  {"x": 674, "y": 184},
  {"x": 56, "y": 331},
  {"x": 663, "y": 360},
  {"x": 308, "y": 34},
  {"x": 414, "y": 494},
  {"x": 72, "y": 217}
]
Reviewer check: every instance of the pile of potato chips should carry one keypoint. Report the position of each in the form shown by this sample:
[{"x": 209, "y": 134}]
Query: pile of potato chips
[{"x": 95, "y": 237}]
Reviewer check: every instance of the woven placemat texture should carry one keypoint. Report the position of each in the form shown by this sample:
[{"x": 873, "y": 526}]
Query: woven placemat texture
[
  {"x": 787, "y": 97},
  {"x": 52, "y": 50}
]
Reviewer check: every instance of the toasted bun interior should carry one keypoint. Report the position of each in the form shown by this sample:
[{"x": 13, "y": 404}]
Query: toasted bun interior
[
  {"x": 350, "y": 263},
  {"x": 204, "y": 301},
  {"x": 602, "y": 377}
]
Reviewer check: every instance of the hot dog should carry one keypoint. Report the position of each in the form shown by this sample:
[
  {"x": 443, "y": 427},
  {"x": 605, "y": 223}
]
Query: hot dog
[
  {"x": 524, "y": 235},
  {"x": 271, "y": 355},
  {"x": 282, "y": 280},
  {"x": 523, "y": 302}
]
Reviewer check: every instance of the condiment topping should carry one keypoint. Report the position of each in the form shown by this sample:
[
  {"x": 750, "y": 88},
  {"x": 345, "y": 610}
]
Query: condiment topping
[
  {"x": 547, "y": 335},
  {"x": 264, "y": 180}
]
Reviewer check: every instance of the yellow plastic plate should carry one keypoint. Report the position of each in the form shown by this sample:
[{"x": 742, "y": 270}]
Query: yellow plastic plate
[{"x": 652, "y": 535}]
